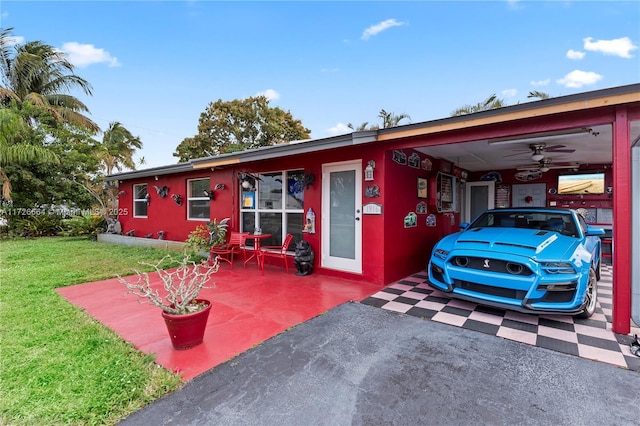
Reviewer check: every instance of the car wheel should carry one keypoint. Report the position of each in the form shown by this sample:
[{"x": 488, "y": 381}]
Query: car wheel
[
  {"x": 599, "y": 270},
  {"x": 591, "y": 296}
]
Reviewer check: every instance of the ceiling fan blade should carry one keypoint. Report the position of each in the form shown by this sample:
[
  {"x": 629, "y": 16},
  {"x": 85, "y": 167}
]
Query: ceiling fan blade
[
  {"x": 553, "y": 147},
  {"x": 558, "y": 148},
  {"x": 518, "y": 153}
]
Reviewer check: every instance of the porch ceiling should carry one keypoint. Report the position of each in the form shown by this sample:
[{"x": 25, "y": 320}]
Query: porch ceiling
[{"x": 591, "y": 146}]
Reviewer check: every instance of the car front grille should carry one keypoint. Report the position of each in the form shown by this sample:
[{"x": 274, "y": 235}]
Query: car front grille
[
  {"x": 490, "y": 290},
  {"x": 491, "y": 265}
]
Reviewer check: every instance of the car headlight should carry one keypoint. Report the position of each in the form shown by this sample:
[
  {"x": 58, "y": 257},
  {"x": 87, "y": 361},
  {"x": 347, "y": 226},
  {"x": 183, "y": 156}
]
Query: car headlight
[
  {"x": 441, "y": 254},
  {"x": 558, "y": 268}
]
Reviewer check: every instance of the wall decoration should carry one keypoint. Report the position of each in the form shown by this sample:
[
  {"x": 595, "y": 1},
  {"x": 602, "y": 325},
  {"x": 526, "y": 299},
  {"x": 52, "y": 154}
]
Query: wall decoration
[
  {"x": 372, "y": 208},
  {"x": 445, "y": 166},
  {"x": 492, "y": 176},
  {"x": 177, "y": 198},
  {"x": 410, "y": 220},
  {"x": 368, "y": 171},
  {"x": 503, "y": 195},
  {"x": 248, "y": 200},
  {"x": 162, "y": 191},
  {"x": 399, "y": 157},
  {"x": 426, "y": 164},
  {"x": 528, "y": 175},
  {"x": 431, "y": 220},
  {"x": 421, "y": 208},
  {"x": 422, "y": 188},
  {"x": 414, "y": 161},
  {"x": 372, "y": 191}
]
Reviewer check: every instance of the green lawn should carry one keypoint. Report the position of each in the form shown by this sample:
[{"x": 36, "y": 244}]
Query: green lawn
[{"x": 58, "y": 366}]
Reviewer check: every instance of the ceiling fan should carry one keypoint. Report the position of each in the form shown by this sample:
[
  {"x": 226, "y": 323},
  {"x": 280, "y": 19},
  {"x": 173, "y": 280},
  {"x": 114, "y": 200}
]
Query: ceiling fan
[
  {"x": 537, "y": 150},
  {"x": 547, "y": 164}
]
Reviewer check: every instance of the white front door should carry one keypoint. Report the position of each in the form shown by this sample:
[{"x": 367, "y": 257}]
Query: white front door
[
  {"x": 529, "y": 195},
  {"x": 479, "y": 196},
  {"x": 341, "y": 216}
]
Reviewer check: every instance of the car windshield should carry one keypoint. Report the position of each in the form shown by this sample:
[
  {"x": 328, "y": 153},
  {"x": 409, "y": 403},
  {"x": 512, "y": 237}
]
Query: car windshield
[{"x": 549, "y": 221}]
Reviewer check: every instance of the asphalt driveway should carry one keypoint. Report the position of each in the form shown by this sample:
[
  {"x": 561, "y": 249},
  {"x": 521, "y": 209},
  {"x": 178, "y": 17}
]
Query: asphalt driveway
[{"x": 360, "y": 365}]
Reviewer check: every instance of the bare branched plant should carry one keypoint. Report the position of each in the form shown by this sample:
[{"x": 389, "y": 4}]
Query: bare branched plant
[{"x": 181, "y": 285}]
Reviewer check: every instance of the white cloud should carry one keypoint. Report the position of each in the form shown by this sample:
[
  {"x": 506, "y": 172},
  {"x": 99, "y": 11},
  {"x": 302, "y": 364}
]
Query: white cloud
[
  {"x": 13, "y": 40},
  {"x": 83, "y": 55},
  {"x": 577, "y": 78},
  {"x": 378, "y": 28},
  {"x": 575, "y": 54},
  {"x": 618, "y": 47},
  {"x": 510, "y": 93},
  {"x": 339, "y": 129},
  {"x": 270, "y": 94},
  {"x": 541, "y": 82}
]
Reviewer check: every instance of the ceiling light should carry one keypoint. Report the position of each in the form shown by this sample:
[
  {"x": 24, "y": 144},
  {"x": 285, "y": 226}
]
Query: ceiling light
[
  {"x": 537, "y": 156},
  {"x": 544, "y": 169}
]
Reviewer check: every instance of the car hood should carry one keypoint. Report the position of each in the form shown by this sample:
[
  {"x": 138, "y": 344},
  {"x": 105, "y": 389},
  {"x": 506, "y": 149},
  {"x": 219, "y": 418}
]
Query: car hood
[{"x": 523, "y": 242}]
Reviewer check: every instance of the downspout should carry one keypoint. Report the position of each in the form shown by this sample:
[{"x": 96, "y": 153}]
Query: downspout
[{"x": 635, "y": 231}]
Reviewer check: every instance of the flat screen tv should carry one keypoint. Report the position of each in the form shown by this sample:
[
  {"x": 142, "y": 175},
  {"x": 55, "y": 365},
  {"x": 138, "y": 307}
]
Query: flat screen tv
[{"x": 584, "y": 183}]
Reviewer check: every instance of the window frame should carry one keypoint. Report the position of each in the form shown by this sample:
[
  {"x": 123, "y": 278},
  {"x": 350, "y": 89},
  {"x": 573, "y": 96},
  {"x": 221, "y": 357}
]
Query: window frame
[
  {"x": 136, "y": 201},
  {"x": 202, "y": 198},
  {"x": 283, "y": 210}
]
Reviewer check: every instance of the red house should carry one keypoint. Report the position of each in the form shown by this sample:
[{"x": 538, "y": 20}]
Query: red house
[{"x": 374, "y": 203}]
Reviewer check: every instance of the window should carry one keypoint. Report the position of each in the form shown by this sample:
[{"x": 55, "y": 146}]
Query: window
[
  {"x": 140, "y": 205},
  {"x": 197, "y": 200},
  {"x": 276, "y": 205}
]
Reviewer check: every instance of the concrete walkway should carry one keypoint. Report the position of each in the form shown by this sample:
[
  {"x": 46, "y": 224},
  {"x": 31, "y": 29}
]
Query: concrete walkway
[{"x": 360, "y": 365}]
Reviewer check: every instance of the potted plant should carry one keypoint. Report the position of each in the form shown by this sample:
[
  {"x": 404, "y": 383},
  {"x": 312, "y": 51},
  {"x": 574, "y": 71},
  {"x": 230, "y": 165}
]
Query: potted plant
[
  {"x": 185, "y": 315},
  {"x": 204, "y": 237}
]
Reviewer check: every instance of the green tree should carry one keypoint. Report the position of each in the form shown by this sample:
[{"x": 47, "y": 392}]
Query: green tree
[
  {"x": 492, "y": 102},
  {"x": 41, "y": 75},
  {"x": 538, "y": 95},
  {"x": 363, "y": 127},
  {"x": 37, "y": 182},
  {"x": 238, "y": 125},
  {"x": 389, "y": 119},
  {"x": 16, "y": 147},
  {"x": 117, "y": 148}
]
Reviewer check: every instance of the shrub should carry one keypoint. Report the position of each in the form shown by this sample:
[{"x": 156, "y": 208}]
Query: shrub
[{"x": 89, "y": 225}]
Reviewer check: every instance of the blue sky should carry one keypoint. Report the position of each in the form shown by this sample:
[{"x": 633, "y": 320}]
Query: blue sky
[{"x": 155, "y": 66}]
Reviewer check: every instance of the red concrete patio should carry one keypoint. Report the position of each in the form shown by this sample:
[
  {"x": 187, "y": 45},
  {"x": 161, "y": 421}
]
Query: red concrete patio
[{"x": 247, "y": 309}]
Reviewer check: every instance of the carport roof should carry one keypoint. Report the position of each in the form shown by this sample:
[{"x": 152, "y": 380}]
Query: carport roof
[{"x": 562, "y": 104}]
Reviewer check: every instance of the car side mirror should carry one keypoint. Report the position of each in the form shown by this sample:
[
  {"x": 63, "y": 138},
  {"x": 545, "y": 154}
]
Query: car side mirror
[
  {"x": 594, "y": 232},
  {"x": 464, "y": 225}
]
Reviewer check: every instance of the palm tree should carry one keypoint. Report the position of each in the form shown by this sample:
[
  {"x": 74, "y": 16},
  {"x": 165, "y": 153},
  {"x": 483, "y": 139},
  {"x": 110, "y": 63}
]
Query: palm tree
[
  {"x": 389, "y": 119},
  {"x": 492, "y": 102},
  {"x": 538, "y": 94},
  {"x": 13, "y": 149},
  {"x": 362, "y": 127},
  {"x": 37, "y": 73},
  {"x": 117, "y": 148}
]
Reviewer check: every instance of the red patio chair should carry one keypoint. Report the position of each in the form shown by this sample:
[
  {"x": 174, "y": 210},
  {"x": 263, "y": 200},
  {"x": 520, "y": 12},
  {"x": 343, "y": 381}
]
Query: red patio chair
[
  {"x": 279, "y": 252},
  {"x": 225, "y": 252}
]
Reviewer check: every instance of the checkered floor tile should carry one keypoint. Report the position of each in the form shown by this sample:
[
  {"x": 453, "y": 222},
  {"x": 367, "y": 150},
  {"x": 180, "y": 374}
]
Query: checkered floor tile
[{"x": 591, "y": 338}]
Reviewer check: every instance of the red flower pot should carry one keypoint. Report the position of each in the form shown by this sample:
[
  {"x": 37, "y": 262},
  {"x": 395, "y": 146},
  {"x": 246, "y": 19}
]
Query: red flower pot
[{"x": 187, "y": 331}]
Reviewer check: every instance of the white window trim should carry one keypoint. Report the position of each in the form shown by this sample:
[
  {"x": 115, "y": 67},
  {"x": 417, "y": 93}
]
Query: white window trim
[
  {"x": 189, "y": 198},
  {"x": 137, "y": 200},
  {"x": 283, "y": 210}
]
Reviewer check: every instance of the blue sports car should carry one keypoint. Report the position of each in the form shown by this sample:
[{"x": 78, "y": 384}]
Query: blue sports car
[{"x": 532, "y": 260}]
